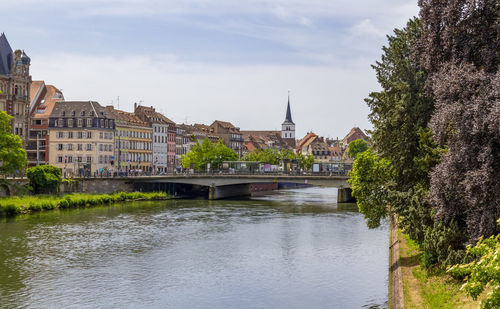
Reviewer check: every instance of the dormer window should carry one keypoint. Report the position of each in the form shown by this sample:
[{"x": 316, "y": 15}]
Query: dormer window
[
  {"x": 80, "y": 123},
  {"x": 82, "y": 113},
  {"x": 73, "y": 113},
  {"x": 92, "y": 114},
  {"x": 89, "y": 122},
  {"x": 63, "y": 113}
]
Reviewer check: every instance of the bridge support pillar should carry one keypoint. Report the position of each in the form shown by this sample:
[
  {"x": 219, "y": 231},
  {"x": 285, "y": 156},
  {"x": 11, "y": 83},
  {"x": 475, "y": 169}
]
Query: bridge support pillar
[
  {"x": 221, "y": 192},
  {"x": 344, "y": 195}
]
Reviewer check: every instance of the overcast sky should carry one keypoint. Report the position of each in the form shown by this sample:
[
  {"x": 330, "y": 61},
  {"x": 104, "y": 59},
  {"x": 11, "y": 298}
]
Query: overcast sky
[{"x": 201, "y": 60}]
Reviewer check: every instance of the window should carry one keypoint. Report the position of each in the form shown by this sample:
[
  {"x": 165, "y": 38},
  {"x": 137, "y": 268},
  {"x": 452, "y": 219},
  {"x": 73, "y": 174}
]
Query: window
[
  {"x": 89, "y": 159},
  {"x": 102, "y": 123},
  {"x": 100, "y": 159},
  {"x": 60, "y": 123},
  {"x": 80, "y": 123},
  {"x": 82, "y": 113},
  {"x": 100, "y": 135},
  {"x": 69, "y": 146},
  {"x": 73, "y": 113},
  {"x": 60, "y": 134},
  {"x": 89, "y": 122},
  {"x": 79, "y": 159},
  {"x": 59, "y": 146},
  {"x": 80, "y": 134},
  {"x": 63, "y": 113},
  {"x": 89, "y": 134},
  {"x": 70, "y": 123},
  {"x": 59, "y": 159},
  {"x": 70, "y": 159},
  {"x": 70, "y": 134},
  {"x": 80, "y": 147},
  {"x": 100, "y": 147},
  {"x": 89, "y": 146}
]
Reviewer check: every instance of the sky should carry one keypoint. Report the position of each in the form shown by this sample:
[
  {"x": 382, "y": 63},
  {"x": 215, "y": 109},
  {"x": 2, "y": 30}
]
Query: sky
[{"x": 197, "y": 61}]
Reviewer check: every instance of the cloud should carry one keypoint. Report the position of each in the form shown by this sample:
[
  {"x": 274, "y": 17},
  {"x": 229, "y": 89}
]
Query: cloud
[{"x": 326, "y": 100}]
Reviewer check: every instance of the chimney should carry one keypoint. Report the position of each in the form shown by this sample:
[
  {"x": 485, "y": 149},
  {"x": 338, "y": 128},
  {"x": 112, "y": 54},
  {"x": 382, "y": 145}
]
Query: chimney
[{"x": 135, "y": 106}]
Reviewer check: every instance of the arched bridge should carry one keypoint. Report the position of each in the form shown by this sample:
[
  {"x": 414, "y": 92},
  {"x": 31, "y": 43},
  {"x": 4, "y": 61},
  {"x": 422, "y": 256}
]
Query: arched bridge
[{"x": 230, "y": 185}]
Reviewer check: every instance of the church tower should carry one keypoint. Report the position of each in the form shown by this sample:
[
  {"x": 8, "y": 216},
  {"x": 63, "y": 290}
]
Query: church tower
[{"x": 288, "y": 127}]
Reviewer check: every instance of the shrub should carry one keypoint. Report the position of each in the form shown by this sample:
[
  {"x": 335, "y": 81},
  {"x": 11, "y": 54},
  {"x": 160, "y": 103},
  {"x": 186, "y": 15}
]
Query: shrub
[{"x": 44, "y": 178}]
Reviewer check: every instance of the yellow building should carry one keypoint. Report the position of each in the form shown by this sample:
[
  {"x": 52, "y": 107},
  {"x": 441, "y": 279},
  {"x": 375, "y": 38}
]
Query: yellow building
[
  {"x": 81, "y": 138},
  {"x": 133, "y": 143}
]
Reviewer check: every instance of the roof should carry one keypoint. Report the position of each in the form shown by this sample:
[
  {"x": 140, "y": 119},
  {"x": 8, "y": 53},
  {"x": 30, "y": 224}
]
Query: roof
[
  {"x": 123, "y": 116},
  {"x": 6, "y": 56},
  {"x": 306, "y": 140},
  {"x": 43, "y": 98},
  {"x": 152, "y": 115},
  {"x": 288, "y": 117},
  {"x": 354, "y": 134},
  {"x": 88, "y": 107}
]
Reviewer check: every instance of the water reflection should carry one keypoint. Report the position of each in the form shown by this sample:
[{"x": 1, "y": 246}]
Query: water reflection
[{"x": 289, "y": 249}]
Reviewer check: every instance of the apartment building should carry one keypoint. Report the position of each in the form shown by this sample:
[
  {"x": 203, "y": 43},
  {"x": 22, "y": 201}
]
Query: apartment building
[{"x": 81, "y": 135}]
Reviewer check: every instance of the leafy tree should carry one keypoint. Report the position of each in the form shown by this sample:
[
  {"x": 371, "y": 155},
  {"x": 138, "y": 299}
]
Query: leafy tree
[
  {"x": 355, "y": 147},
  {"x": 206, "y": 152},
  {"x": 483, "y": 272},
  {"x": 305, "y": 162},
  {"x": 400, "y": 114},
  {"x": 44, "y": 178},
  {"x": 465, "y": 186},
  {"x": 368, "y": 180},
  {"x": 12, "y": 155},
  {"x": 460, "y": 49},
  {"x": 271, "y": 156}
]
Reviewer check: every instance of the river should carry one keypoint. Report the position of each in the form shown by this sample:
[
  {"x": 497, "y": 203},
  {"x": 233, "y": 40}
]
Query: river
[{"x": 286, "y": 249}]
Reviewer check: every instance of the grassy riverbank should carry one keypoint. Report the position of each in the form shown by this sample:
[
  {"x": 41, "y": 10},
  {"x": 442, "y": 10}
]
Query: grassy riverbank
[
  {"x": 431, "y": 288},
  {"x": 12, "y": 206}
]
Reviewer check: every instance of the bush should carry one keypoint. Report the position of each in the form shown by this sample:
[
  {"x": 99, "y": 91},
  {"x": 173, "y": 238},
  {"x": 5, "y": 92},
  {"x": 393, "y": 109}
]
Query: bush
[{"x": 44, "y": 178}]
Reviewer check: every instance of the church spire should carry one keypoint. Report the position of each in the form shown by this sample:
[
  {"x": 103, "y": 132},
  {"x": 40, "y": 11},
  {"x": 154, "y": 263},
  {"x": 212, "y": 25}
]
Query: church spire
[{"x": 288, "y": 117}]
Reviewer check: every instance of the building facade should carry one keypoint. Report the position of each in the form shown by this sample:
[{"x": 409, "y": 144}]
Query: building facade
[
  {"x": 80, "y": 139},
  {"x": 15, "y": 81},
  {"x": 133, "y": 143},
  {"x": 43, "y": 98},
  {"x": 230, "y": 135},
  {"x": 164, "y": 145}
]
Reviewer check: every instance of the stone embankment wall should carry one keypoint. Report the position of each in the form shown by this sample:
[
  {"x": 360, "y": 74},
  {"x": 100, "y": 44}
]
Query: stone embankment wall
[{"x": 97, "y": 186}]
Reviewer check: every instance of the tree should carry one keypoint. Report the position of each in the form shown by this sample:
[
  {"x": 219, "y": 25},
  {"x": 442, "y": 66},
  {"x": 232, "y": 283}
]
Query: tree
[
  {"x": 355, "y": 147},
  {"x": 400, "y": 114},
  {"x": 44, "y": 178},
  {"x": 206, "y": 152},
  {"x": 305, "y": 162},
  {"x": 368, "y": 180},
  {"x": 460, "y": 50},
  {"x": 12, "y": 155}
]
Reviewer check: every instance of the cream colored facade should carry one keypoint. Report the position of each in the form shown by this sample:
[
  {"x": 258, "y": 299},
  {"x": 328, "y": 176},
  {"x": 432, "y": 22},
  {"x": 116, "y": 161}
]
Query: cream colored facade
[
  {"x": 81, "y": 139},
  {"x": 74, "y": 150}
]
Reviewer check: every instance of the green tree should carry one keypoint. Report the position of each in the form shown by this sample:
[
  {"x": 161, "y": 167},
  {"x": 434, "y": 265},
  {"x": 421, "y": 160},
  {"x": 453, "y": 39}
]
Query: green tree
[
  {"x": 12, "y": 155},
  {"x": 400, "y": 114},
  {"x": 44, "y": 178},
  {"x": 206, "y": 152},
  {"x": 368, "y": 180},
  {"x": 305, "y": 162},
  {"x": 356, "y": 146}
]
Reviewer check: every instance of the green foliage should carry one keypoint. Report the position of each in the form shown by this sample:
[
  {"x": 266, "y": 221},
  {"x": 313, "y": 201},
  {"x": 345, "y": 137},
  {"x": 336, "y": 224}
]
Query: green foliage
[
  {"x": 356, "y": 146},
  {"x": 368, "y": 180},
  {"x": 44, "y": 178},
  {"x": 270, "y": 156},
  {"x": 206, "y": 152},
  {"x": 483, "y": 272},
  {"x": 21, "y": 205},
  {"x": 12, "y": 155},
  {"x": 305, "y": 162}
]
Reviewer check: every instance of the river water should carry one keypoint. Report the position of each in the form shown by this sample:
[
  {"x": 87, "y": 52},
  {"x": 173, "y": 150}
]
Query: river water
[{"x": 288, "y": 249}]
